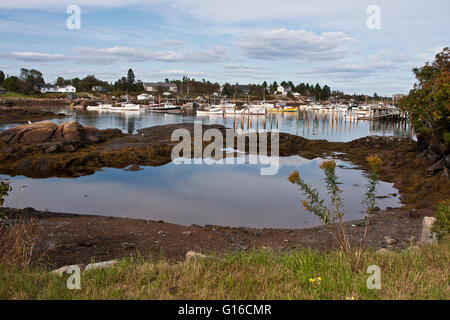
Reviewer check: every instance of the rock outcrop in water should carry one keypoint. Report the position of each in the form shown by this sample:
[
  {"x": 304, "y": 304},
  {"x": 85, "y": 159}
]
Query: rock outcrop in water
[
  {"x": 19, "y": 115},
  {"x": 47, "y": 131},
  {"x": 71, "y": 150}
]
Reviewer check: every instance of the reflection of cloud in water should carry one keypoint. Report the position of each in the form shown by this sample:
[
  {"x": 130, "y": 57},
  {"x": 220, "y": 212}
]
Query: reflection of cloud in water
[{"x": 234, "y": 195}]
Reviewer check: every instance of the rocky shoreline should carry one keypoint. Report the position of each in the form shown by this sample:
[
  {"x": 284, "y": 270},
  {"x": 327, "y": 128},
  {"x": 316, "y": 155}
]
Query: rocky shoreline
[
  {"x": 65, "y": 239},
  {"x": 20, "y": 115},
  {"x": 45, "y": 149}
]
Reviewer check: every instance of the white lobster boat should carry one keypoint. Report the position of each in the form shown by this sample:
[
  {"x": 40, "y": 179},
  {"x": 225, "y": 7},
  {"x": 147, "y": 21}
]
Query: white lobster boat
[{"x": 125, "y": 106}]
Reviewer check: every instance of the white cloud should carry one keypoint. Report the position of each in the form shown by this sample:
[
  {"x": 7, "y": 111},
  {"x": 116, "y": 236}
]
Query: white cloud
[
  {"x": 87, "y": 55},
  {"x": 301, "y": 44},
  {"x": 35, "y": 56},
  {"x": 172, "y": 43},
  {"x": 171, "y": 73},
  {"x": 129, "y": 54}
]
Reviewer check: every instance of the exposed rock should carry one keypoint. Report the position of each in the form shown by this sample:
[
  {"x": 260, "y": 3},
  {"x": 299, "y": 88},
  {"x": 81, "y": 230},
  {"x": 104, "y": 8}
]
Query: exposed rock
[
  {"x": 427, "y": 235},
  {"x": 188, "y": 233},
  {"x": 389, "y": 240},
  {"x": 101, "y": 265},
  {"x": 436, "y": 168},
  {"x": 75, "y": 132},
  {"x": 413, "y": 213},
  {"x": 134, "y": 168},
  {"x": 447, "y": 161},
  {"x": 61, "y": 271},
  {"x": 194, "y": 255},
  {"x": 92, "y": 266},
  {"x": 69, "y": 148},
  {"x": 52, "y": 148},
  {"x": 382, "y": 251},
  {"x": 34, "y": 132},
  {"x": 46, "y": 131}
]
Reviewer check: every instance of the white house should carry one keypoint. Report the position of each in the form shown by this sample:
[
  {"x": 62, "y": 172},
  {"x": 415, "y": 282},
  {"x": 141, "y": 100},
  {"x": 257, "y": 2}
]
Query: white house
[
  {"x": 155, "y": 86},
  {"x": 67, "y": 89},
  {"x": 99, "y": 89},
  {"x": 144, "y": 96},
  {"x": 284, "y": 90},
  {"x": 48, "y": 88}
]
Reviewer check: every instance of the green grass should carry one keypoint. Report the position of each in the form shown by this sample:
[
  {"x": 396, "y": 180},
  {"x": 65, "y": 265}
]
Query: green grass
[
  {"x": 410, "y": 274},
  {"x": 18, "y": 95},
  {"x": 11, "y": 94}
]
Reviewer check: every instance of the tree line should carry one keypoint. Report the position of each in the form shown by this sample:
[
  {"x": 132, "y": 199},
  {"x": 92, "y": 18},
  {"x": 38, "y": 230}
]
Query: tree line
[{"x": 30, "y": 81}]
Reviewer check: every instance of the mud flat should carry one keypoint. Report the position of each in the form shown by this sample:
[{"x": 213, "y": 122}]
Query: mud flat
[{"x": 65, "y": 239}]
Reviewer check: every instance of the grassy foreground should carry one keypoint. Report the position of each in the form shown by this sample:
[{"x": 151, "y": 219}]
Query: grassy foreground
[{"x": 410, "y": 274}]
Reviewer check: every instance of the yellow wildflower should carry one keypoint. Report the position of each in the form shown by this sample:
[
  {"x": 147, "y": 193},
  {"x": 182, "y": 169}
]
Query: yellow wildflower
[
  {"x": 328, "y": 165},
  {"x": 314, "y": 280},
  {"x": 374, "y": 161},
  {"x": 305, "y": 204},
  {"x": 294, "y": 177}
]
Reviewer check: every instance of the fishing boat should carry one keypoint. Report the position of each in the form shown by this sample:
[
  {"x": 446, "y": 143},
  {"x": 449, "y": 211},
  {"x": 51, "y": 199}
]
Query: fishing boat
[
  {"x": 340, "y": 108},
  {"x": 211, "y": 111},
  {"x": 229, "y": 108},
  {"x": 105, "y": 106},
  {"x": 125, "y": 106},
  {"x": 165, "y": 107},
  {"x": 100, "y": 106},
  {"x": 93, "y": 108}
]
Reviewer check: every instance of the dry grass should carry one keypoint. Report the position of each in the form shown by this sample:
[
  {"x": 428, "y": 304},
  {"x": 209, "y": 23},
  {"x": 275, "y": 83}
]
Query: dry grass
[{"x": 17, "y": 243}]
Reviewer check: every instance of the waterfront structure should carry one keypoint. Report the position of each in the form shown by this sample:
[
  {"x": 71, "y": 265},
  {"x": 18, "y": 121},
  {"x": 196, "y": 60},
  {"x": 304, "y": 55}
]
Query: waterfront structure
[
  {"x": 243, "y": 89},
  {"x": 48, "y": 88},
  {"x": 284, "y": 90},
  {"x": 99, "y": 89},
  {"x": 144, "y": 96},
  {"x": 164, "y": 86},
  {"x": 397, "y": 97}
]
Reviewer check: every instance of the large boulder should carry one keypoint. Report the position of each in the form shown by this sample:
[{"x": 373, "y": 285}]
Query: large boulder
[
  {"x": 34, "y": 132},
  {"x": 75, "y": 132},
  {"x": 427, "y": 235},
  {"x": 47, "y": 131}
]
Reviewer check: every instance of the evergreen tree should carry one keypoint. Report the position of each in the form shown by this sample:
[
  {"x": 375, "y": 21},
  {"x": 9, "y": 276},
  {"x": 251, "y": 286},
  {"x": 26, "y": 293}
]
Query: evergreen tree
[{"x": 130, "y": 79}]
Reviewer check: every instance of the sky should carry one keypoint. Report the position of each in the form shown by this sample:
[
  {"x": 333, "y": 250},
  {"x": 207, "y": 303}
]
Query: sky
[{"x": 356, "y": 46}]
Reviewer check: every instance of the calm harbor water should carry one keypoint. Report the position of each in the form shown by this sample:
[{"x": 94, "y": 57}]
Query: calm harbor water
[
  {"x": 229, "y": 195},
  {"x": 233, "y": 195},
  {"x": 314, "y": 128}
]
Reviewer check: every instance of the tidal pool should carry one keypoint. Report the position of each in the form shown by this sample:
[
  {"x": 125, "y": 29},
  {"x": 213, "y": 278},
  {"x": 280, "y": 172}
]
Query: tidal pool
[{"x": 217, "y": 194}]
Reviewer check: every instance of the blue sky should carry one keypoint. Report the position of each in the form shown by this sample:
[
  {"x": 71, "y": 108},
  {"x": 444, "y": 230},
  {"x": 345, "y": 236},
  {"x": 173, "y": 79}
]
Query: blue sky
[{"x": 245, "y": 41}]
